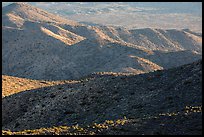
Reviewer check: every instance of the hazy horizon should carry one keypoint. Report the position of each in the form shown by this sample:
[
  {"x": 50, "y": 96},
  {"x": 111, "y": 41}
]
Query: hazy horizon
[{"x": 164, "y": 15}]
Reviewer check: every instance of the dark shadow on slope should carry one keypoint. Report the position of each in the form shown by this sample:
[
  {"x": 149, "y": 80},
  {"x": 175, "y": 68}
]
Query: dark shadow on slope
[
  {"x": 103, "y": 98},
  {"x": 27, "y": 103}
]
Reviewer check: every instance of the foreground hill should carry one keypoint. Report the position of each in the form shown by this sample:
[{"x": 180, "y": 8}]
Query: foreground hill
[
  {"x": 43, "y": 46},
  {"x": 161, "y": 102}
]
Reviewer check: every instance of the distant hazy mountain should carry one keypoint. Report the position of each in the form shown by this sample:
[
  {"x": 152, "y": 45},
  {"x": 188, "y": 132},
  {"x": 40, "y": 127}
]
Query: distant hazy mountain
[
  {"x": 41, "y": 45},
  {"x": 163, "y": 15}
]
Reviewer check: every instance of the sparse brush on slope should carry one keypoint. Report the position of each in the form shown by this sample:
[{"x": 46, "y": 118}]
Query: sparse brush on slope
[{"x": 160, "y": 94}]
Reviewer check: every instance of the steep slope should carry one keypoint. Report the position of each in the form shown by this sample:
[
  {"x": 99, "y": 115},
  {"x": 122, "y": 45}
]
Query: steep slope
[
  {"x": 43, "y": 57},
  {"x": 23, "y": 16},
  {"x": 153, "y": 103},
  {"x": 43, "y": 46}
]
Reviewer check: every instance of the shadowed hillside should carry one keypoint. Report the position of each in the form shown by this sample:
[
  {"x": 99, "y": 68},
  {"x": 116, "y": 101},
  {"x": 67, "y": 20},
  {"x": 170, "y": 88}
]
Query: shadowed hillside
[{"x": 160, "y": 102}]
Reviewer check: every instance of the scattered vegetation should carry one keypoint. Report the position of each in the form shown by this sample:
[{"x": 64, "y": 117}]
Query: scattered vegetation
[
  {"x": 70, "y": 130},
  {"x": 96, "y": 128}
]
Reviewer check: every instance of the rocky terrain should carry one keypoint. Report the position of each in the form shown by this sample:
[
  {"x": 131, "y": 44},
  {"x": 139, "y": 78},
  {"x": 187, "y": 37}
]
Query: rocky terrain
[
  {"x": 61, "y": 77},
  {"x": 161, "y": 102},
  {"x": 43, "y": 46}
]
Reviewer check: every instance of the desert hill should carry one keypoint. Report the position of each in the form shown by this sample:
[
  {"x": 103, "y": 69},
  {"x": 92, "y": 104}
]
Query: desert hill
[
  {"x": 15, "y": 14},
  {"x": 163, "y": 100},
  {"x": 43, "y": 46}
]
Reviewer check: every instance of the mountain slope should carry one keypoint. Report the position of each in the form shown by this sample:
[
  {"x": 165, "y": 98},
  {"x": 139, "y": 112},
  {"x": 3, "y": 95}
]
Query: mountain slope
[
  {"x": 43, "y": 46},
  {"x": 22, "y": 12},
  {"x": 156, "y": 94}
]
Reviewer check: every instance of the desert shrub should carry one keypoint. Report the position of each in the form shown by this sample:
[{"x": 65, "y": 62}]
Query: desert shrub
[
  {"x": 52, "y": 95},
  {"x": 60, "y": 88},
  {"x": 187, "y": 82},
  {"x": 64, "y": 97}
]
